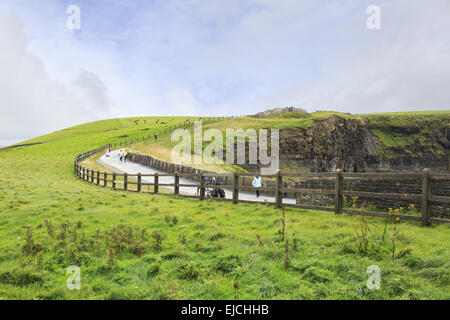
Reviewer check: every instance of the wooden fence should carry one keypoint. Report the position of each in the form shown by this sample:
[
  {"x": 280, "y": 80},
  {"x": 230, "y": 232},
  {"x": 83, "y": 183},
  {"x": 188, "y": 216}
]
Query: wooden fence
[{"x": 133, "y": 182}]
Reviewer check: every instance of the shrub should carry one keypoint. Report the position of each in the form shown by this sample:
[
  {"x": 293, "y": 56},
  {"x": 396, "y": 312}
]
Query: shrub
[
  {"x": 187, "y": 271},
  {"x": 287, "y": 259},
  {"x": 21, "y": 277},
  {"x": 268, "y": 290},
  {"x": 261, "y": 244},
  {"x": 216, "y": 236},
  {"x": 157, "y": 238},
  {"x": 153, "y": 270},
  {"x": 173, "y": 255},
  {"x": 227, "y": 264},
  {"x": 30, "y": 247},
  {"x": 55, "y": 294},
  {"x": 111, "y": 256},
  {"x": 50, "y": 228},
  {"x": 182, "y": 238},
  {"x": 171, "y": 221},
  {"x": 315, "y": 274}
]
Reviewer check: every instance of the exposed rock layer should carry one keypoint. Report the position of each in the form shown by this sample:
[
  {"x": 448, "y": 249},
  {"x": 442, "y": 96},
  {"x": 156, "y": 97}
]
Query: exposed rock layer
[{"x": 350, "y": 145}]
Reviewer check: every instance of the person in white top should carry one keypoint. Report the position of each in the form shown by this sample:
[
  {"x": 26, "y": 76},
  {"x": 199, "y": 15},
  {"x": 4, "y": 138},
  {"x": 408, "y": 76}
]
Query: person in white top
[{"x": 257, "y": 184}]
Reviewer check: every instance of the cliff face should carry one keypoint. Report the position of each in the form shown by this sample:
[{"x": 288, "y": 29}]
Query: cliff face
[{"x": 366, "y": 146}]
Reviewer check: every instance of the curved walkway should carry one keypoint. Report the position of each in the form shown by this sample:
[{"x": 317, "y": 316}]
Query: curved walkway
[{"x": 113, "y": 163}]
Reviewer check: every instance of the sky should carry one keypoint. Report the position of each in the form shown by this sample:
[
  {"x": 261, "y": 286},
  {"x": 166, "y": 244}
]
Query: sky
[{"x": 210, "y": 58}]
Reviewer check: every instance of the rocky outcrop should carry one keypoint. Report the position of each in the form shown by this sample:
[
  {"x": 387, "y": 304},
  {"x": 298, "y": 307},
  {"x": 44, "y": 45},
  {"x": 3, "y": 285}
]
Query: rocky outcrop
[
  {"x": 351, "y": 145},
  {"x": 328, "y": 145},
  {"x": 278, "y": 111}
]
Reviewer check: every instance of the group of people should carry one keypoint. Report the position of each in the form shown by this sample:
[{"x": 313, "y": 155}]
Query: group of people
[
  {"x": 256, "y": 183},
  {"x": 123, "y": 156}
]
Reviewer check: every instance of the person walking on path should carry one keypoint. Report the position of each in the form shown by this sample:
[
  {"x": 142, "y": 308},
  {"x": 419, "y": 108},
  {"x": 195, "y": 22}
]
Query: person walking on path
[
  {"x": 125, "y": 153},
  {"x": 120, "y": 156},
  {"x": 156, "y": 137},
  {"x": 257, "y": 184}
]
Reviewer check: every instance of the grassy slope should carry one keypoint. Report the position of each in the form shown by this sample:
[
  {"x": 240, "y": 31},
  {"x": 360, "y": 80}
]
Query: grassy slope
[
  {"x": 382, "y": 124},
  {"x": 37, "y": 183}
]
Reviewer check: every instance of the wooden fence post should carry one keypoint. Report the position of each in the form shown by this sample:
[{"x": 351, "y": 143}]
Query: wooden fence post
[
  {"x": 202, "y": 186},
  {"x": 105, "y": 181},
  {"x": 92, "y": 176},
  {"x": 337, "y": 192},
  {"x": 235, "y": 188},
  {"x": 155, "y": 185},
  {"x": 426, "y": 191},
  {"x": 139, "y": 182},
  {"x": 125, "y": 181},
  {"x": 177, "y": 183},
  {"x": 114, "y": 180},
  {"x": 278, "y": 186}
]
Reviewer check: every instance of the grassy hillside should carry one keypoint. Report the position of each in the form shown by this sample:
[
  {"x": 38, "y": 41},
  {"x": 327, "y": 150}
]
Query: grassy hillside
[{"x": 143, "y": 246}]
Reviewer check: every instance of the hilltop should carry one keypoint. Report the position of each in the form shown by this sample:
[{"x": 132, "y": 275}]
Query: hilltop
[{"x": 288, "y": 112}]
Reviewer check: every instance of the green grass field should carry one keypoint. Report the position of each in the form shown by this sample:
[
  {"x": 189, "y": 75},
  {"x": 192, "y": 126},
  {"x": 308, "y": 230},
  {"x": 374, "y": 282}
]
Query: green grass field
[{"x": 144, "y": 246}]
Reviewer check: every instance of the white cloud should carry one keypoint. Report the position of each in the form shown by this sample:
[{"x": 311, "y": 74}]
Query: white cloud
[
  {"x": 182, "y": 102},
  {"x": 216, "y": 57},
  {"x": 207, "y": 95},
  {"x": 30, "y": 100},
  {"x": 404, "y": 66},
  {"x": 93, "y": 91}
]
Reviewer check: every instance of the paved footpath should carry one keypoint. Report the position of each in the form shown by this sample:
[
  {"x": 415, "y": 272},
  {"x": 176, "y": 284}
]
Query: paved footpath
[{"x": 113, "y": 163}]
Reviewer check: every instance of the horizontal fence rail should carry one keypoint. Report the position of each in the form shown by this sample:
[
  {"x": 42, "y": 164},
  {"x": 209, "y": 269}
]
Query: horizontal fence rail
[{"x": 278, "y": 185}]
